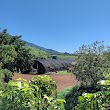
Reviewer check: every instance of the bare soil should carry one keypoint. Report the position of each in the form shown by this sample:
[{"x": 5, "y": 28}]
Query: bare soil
[{"x": 63, "y": 80}]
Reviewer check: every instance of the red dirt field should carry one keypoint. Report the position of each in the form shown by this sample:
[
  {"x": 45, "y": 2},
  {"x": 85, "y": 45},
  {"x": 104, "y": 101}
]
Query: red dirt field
[{"x": 63, "y": 81}]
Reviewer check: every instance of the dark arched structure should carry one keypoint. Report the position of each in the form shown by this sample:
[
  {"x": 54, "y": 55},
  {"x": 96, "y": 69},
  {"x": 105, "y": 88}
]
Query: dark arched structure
[{"x": 50, "y": 65}]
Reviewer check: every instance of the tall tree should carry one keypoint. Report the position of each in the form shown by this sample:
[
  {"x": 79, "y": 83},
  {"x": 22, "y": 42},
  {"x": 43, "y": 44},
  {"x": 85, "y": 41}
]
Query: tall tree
[
  {"x": 91, "y": 63},
  {"x": 13, "y": 55}
]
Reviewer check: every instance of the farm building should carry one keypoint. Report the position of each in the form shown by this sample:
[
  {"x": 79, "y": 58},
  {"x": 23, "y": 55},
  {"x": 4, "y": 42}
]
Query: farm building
[{"x": 43, "y": 66}]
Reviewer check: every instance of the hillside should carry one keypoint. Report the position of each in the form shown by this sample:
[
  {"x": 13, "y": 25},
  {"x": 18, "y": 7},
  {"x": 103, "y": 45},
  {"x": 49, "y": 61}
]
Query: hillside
[
  {"x": 42, "y": 52},
  {"x": 38, "y": 53},
  {"x": 50, "y": 51}
]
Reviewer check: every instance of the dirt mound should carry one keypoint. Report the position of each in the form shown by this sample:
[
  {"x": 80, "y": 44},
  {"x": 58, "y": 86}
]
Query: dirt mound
[{"x": 63, "y": 81}]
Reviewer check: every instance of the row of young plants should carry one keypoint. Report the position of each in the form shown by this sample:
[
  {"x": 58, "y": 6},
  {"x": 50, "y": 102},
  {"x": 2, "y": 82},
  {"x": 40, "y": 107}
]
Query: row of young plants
[{"x": 37, "y": 94}]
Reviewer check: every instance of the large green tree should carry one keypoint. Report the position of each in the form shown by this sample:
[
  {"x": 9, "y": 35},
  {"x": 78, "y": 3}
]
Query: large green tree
[
  {"x": 14, "y": 54},
  {"x": 91, "y": 63}
]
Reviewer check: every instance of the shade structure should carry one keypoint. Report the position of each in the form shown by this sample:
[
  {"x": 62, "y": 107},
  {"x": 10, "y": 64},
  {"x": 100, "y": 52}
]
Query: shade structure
[{"x": 50, "y": 65}]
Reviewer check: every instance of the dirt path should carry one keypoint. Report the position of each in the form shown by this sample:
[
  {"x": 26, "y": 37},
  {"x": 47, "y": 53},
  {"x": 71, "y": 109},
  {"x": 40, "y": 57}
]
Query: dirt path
[{"x": 63, "y": 81}]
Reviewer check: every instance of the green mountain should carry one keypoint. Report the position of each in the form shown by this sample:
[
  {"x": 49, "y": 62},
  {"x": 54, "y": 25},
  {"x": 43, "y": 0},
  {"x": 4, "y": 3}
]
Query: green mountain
[
  {"x": 41, "y": 52},
  {"x": 38, "y": 53},
  {"x": 49, "y": 51}
]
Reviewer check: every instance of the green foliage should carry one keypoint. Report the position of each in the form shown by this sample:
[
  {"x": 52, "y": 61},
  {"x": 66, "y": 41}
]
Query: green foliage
[
  {"x": 62, "y": 94},
  {"x": 23, "y": 62},
  {"x": 39, "y": 53},
  {"x": 45, "y": 83},
  {"x": 13, "y": 55},
  {"x": 95, "y": 101},
  {"x": 63, "y": 56},
  {"x": 91, "y": 63},
  {"x": 64, "y": 72},
  {"x": 72, "y": 97},
  {"x": 8, "y": 54},
  {"x": 4, "y": 38},
  {"x": 71, "y": 94},
  {"x": 5, "y": 75},
  {"x": 30, "y": 96}
]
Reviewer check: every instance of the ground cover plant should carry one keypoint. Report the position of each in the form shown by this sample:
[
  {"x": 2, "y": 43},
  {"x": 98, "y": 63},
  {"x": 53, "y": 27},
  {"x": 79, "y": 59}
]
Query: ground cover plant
[
  {"x": 60, "y": 72},
  {"x": 64, "y": 72},
  {"x": 67, "y": 56}
]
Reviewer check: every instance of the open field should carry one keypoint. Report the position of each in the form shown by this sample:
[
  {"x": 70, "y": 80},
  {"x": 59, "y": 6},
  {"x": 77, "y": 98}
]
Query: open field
[
  {"x": 62, "y": 56},
  {"x": 63, "y": 80},
  {"x": 64, "y": 72}
]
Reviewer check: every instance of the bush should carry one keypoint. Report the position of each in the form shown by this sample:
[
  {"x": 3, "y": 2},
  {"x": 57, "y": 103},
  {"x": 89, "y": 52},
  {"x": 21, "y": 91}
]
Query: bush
[
  {"x": 91, "y": 63},
  {"x": 72, "y": 96},
  {"x": 35, "y": 95},
  {"x": 95, "y": 101}
]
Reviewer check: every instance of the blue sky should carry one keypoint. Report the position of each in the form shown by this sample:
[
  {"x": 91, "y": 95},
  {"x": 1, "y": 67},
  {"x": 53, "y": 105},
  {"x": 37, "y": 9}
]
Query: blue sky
[{"x": 62, "y": 25}]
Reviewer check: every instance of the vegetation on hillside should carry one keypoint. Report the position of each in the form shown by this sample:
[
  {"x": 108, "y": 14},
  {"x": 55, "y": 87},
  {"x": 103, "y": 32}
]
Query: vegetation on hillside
[
  {"x": 37, "y": 53},
  {"x": 49, "y": 51}
]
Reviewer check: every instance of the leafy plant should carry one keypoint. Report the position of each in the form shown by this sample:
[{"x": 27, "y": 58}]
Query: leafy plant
[
  {"x": 46, "y": 85},
  {"x": 13, "y": 55},
  {"x": 35, "y": 95},
  {"x": 91, "y": 63},
  {"x": 95, "y": 101}
]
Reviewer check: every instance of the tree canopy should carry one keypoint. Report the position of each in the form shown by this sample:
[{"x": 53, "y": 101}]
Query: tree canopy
[
  {"x": 14, "y": 54},
  {"x": 91, "y": 63}
]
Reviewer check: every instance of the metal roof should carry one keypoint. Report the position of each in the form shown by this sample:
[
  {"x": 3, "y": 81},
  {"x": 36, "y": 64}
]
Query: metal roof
[{"x": 56, "y": 64}]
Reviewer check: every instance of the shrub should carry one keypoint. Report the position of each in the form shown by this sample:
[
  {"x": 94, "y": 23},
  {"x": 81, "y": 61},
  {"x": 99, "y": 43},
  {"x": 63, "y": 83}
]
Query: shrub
[
  {"x": 91, "y": 63},
  {"x": 95, "y": 101},
  {"x": 72, "y": 96},
  {"x": 35, "y": 95}
]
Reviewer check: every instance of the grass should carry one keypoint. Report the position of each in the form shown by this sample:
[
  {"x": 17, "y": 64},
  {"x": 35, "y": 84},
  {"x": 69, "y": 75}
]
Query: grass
[
  {"x": 60, "y": 72},
  {"x": 61, "y": 94},
  {"x": 67, "y": 56},
  {"x": 39, "y": 53},
  {"x": 63, "y": 72}
]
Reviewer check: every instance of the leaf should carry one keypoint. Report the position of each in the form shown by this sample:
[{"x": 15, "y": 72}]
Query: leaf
[
  {"x": 88, "y": 95},
  {"x": 36, "y": 87},
  {"x": 19, "y": 79},
  {"x": 19, "y": 85}
]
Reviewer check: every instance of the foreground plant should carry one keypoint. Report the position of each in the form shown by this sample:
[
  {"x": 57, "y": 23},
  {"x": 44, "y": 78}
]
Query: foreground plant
[
  {"x": 96, "y": 101},
  {"x": 35, "y": 95}
]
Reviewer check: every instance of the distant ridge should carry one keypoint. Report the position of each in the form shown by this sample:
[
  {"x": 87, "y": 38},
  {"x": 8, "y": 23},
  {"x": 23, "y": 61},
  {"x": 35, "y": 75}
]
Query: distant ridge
[{"x": 50, "y": 51}]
